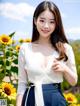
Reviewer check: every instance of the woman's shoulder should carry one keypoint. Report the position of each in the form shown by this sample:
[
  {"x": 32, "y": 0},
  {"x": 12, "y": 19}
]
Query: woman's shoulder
[
  {"x": 24, "y": 45},
  {"x": 67, "y": 46}
]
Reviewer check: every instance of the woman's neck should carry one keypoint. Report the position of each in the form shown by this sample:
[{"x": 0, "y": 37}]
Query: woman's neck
[{"x": 42, "y": 41}]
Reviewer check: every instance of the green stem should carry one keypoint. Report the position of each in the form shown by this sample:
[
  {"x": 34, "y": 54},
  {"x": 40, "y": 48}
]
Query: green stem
[
  {"x": 4, "y": 59},
  {"x": 10, "y": 70},
  {"x": 10, "y": 77}
]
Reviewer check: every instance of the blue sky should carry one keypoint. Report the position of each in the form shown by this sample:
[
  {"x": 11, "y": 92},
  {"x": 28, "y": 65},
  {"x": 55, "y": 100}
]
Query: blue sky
[{"x": 16, "y": 15}]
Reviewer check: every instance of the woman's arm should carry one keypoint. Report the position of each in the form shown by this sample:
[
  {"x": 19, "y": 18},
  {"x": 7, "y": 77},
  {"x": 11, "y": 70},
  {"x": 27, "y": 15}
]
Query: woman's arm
[
  {"x": 68, "y": 68},
  {"x": 19, "y": 100},
  {"x": 70, "y": 72},
  {"x": 70, "y": 76},
  {"x": 22, "y": 76}
]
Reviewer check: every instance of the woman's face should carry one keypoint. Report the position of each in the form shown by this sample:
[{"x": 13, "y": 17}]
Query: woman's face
[{"x": 45, "y": 23}]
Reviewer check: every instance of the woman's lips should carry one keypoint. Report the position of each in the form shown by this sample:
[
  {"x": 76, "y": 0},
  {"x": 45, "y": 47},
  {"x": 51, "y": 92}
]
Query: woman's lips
[{"x": 44, "y": 31}]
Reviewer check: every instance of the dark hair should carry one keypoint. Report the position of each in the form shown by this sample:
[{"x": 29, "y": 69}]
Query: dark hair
[{"x": 58, "y": 37}]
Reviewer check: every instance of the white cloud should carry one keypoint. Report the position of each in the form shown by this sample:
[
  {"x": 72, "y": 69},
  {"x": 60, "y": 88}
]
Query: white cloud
[
  {"x": 16, "y": 11},
  {"x": 71, "y": 1},
  {"x": 73, "y": 30},
  {"x": 73, "y": 33}
]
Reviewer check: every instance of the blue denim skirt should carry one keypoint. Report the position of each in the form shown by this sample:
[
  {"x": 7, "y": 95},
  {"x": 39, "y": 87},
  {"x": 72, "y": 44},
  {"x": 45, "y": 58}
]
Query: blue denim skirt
[{"x": 52, "y": 95}]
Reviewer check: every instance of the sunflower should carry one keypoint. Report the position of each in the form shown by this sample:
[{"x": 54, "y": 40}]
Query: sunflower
[
  {"x": 17, "y": 47},
  {"x": 0, "y": 90},
  {"x": 8, "y": 90},
  {"x": 78, "y": 104},
  {"x": 5, "y": 39},
  {"x": 70, "y": 98},
  {"x": 13, "y": 41},
  {"x": 21, "y": 40},
  {"x": 27, "y": 40},
  {"x": 73, "y": 105}
]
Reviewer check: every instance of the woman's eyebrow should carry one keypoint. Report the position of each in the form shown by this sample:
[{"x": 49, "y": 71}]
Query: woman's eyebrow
[
  {"x": 45, "y": 18},
  {"x": 42, "y": 18},
  {"x": 52, "y": 19}
]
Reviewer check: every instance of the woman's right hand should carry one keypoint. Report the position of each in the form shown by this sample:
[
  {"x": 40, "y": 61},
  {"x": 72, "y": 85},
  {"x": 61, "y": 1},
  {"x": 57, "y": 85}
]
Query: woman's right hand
[{"x": 19, "y": 100}]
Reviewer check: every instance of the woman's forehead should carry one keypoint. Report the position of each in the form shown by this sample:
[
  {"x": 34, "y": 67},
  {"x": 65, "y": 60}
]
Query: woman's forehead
[{"x": 47, "y": 14}]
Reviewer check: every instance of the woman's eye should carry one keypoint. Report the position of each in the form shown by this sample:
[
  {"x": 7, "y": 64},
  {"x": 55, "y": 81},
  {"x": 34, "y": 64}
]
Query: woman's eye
[
  {"x": 52, "y": 22},
  {"x": 41, "y": 20}
]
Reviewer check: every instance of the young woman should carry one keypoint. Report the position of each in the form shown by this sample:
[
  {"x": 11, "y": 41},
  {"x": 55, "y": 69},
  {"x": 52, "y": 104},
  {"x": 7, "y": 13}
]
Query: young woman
[{"x": 45, "y": 61}]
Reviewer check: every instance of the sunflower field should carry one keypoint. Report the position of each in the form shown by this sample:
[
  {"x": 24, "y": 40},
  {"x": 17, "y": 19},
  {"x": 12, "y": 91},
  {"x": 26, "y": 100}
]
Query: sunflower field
[{"x": 9, "y": 50}]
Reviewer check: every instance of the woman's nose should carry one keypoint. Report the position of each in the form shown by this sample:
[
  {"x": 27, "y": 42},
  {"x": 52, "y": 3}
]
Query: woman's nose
[{"x": 46, "y": 25}]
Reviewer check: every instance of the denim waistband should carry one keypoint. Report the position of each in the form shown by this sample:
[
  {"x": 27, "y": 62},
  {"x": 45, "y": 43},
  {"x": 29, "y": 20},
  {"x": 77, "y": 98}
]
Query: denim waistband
[
  {"x": 51, "y": 86},
  {"x": 55, "y": 87}
]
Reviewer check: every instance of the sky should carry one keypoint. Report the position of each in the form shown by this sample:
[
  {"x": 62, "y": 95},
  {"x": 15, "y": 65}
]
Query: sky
[{"x": 16, "y": 16}]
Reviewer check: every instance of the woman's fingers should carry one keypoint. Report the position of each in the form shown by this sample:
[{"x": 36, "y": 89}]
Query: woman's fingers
[{"x": 57, "y": 66}]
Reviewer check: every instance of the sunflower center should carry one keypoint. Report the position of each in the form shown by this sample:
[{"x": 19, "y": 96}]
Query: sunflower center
[
  {"x": 70, "y": 99},
  {"x": 5, "y": 39},
  {"x": 7, "y": 91},
  {"x": 18, "y": 48}
]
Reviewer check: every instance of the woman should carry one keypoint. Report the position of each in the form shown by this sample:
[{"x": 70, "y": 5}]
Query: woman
[{"x": 45, "y": 61}]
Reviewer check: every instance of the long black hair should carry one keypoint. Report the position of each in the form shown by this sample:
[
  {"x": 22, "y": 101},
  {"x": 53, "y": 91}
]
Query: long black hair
[{"x": 58, "y": 37}]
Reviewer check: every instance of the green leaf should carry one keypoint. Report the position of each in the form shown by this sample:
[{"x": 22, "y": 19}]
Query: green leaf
[
  {"x": 1, "y": 48},
  {"x": 1, "y": 68},
  {"x": 15, "y": 53},
  {"x": 7, "y": 53},
  {"x": 2, "y": 75},
  {"x": 14, "y": 69},
  {"x": 11, "y": 35},
  {"x": 15, "y": 61},
  {"x": 1, "y": 62},
  {"x": 7, "y": 63},
  {"x": 9, "y": 59},
  {"x": 1, "y": 57},
  {"x": 8, "y": 67}
]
